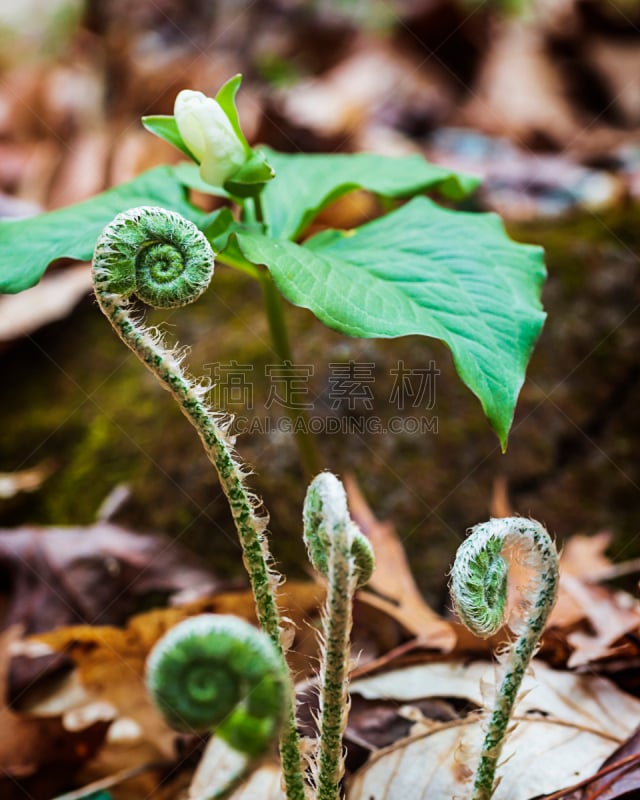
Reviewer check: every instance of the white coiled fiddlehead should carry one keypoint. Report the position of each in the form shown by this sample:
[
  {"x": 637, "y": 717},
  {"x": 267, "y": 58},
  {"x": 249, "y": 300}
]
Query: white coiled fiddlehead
[
  {"x": 479, "y": 591},
  {"x": 167, "y": 262},
  {"x": 343, "y": 555}
]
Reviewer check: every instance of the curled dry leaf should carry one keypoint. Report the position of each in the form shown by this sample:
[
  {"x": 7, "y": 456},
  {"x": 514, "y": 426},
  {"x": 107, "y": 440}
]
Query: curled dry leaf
[
  {"x": 398, "y": 594},
  {"x": 571, "y": 722},
  {"x": 591, "y": 618}
]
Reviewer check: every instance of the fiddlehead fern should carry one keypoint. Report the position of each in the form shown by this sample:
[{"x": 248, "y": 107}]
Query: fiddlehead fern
[
  {"x": 340, "y": 552},
  {"x": 218, "y": 673},
  {"x": 166, "y": 261},
  {"x": 155, "y": 254},
  {"x": 479, "y": 593}
]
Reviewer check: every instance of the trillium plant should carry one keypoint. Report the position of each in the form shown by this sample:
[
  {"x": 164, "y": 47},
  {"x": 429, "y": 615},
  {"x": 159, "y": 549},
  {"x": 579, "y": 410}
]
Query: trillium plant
[{"x": 421, "y": 268}]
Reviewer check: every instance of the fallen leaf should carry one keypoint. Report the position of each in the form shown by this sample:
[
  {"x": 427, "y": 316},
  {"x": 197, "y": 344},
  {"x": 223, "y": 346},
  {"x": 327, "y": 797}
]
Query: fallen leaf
[
  {"x": 110, "y": 662},
  {"x": 623, "y": 782},
  {"x": 583, "y": 719},
  {"x": 607, "y": 616},
  {"x": 376, "y": 81},
  {"x": 95, "y": 574},
  {"x": 584, "y": 556},
  {"x": 220, "y": 764},
  {"x": 26, "y": 480},
  {"x": 264, "y": 783},
  {"x": 53, "y": 298},
  {"x": 439, "y": 763},
  {"x": 519, "y": 91},
  {"x": 586, "y": 700},
  {"x": 28, "y": 745},
  {"x": 398, "y": 594}
]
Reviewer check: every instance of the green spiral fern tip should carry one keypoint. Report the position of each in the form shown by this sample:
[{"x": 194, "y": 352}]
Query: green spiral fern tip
[
  {"x": 154, "y": 254},
  {"x": 339, "y": 551},
  {"x": 479, "y": 580},
  {"x": 218, "y": 673}
]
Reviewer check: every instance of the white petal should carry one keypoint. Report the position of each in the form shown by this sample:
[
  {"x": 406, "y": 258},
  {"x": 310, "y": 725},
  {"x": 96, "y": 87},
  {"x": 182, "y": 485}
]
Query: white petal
[{"x": 207, "y": 132}]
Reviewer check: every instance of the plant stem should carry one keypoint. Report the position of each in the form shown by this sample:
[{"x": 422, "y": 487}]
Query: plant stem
[
  {"x": 250, "y": 526},
  {"x": 338, "y": 551},
  {"x": 335, "y": 664},
  {"x": 257, "y": 208},
  {"x": 305, "y": 441}
]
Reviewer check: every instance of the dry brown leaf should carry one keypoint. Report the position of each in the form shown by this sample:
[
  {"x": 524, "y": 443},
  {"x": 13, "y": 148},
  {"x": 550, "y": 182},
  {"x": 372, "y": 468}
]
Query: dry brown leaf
[
  {"x": 619, "y": 783},
  {"x": 219, "y": 766},
  {"x": 608, "y": 615},
  {"x": 375, "y": 79},
  {"x": 26, "y": 480},
  {"x": 110, "y": 665},
  {"x": 93, "y": 574},
  {"x": 53, "y": 298},
  {"x": 586, "y": 700},
  {"x": 584, "y": 556},
  {"x": 585, "y": 718},
  {"x": 392, "y": 578},
  {"x": 618, "y": 62},
  {"x": 519, "y": 93},
  {"x": 27, "y": 745},
  {"x": 439, "y": 763},
  {"x": 83, "y": 172},
  {"x": 604, "y": 616}
]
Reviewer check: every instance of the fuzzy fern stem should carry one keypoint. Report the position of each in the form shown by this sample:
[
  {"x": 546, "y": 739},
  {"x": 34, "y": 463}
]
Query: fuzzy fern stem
[
  {"x": 479, "y": 592},
  {"x": 340, "y": 552},
  {"x": 166, "y": 261}
]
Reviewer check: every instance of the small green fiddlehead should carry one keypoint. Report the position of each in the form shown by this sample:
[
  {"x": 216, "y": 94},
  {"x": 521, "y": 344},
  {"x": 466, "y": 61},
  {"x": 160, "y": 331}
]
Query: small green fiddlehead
[
  {"x": 343, "y": 555},
  {"x": 479, "y": 592},
  {"x": 218, "y": 673},
  {"x": 166, "y": 261},
  {"x": 155, "y": 254}
]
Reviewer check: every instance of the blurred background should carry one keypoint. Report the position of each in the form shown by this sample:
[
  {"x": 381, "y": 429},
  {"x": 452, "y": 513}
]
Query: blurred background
[{"x": 540, "y": 99}]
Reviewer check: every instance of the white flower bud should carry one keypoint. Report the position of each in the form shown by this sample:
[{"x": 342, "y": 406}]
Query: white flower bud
[{"x": 209, "y": 135}]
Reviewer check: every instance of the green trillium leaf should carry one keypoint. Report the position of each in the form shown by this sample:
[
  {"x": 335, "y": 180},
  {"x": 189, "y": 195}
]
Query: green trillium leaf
[
  {"x": 308, "y": 183},
  {"x": 28, "y": 246},
  {"x": 424, "y": 270}
]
